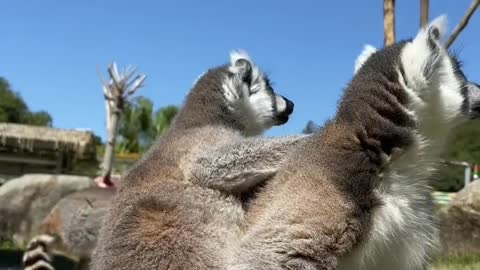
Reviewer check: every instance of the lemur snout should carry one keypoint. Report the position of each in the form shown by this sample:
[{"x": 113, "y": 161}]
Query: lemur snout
[
  {"x": 284, "y": 110},
  {"x": 290, "y": 105}
]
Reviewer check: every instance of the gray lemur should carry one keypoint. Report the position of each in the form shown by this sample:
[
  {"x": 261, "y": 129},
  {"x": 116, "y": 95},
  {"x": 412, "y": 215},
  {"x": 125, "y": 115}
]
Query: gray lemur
[
  {"x": 70, "y": 228},
  {"x": 356, "y": 195},
  {"x": 178, "y": 208}
]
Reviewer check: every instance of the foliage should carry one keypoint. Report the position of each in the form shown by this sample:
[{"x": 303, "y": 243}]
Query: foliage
[
  {"x": 463, "y": 145},
  {"x": 41, "y": 118},
  {"x": 13, "y": 108},
  {"x": 456, "y": 263},
  {"x": 162, "y": 120},
  {"x": 7, "y": 244},
  {"x": 135, "y": 125},
  {"x": 140, "y": 125}
]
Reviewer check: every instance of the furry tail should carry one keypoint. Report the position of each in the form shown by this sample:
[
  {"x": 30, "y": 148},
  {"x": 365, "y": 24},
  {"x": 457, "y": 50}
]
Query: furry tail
[{"x": 38, "y": 256}]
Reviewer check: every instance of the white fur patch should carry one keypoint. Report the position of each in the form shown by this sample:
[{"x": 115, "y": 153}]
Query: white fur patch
[
  {"x": 234, "y": 90},
  {"x": 260, "y": 104},
  {"x": 368, "y": 50},
  {"x": 239, "y": 54},
  {"x": 436, "y": 100},
  {"x": 281, "y": 103},
  {"x": 416, "y": 54},
  {"x": 40, "y": 265},
  {"x": 36, "y": 252},
  {"x": 402, "y": 235}
]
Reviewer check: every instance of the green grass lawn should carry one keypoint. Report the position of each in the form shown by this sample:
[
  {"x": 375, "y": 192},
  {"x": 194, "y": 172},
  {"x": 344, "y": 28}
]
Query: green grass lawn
[{"x": 457, "y": 263}]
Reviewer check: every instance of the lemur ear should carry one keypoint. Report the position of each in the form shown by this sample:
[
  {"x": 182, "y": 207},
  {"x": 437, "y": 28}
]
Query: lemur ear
[
  {"x": 422, "y": 55},
  {"x": 433, "y": 35},
  {"x": 243, "y": 69},
  {"x": 433, "y": 40},
  {"x": 242, "y": 66}
]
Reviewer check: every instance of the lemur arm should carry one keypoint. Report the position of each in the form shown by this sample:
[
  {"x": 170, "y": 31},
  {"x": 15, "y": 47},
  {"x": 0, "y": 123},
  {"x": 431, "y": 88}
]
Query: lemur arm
[{"x": 240, "y": 166}]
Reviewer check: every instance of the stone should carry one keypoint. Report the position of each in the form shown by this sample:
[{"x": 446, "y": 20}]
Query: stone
[{"x": 460, "y": 224}]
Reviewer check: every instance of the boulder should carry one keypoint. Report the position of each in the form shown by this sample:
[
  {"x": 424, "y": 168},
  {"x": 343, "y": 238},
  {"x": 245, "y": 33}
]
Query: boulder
[
  {"x": 460, "y": 224},
  {"x": 26, "y": 201}
]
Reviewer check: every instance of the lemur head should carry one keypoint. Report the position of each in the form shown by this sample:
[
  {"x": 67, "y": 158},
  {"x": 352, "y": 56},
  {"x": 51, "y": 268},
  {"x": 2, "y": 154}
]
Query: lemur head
[
  {"x": 429, "y": 74},
  {"x": 250, "y": 95},
  {"x": 238, "y": 95}
]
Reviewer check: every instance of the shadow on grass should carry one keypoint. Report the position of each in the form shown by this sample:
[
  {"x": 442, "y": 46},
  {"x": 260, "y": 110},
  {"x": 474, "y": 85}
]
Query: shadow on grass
[{"x": 12, "y": 260}]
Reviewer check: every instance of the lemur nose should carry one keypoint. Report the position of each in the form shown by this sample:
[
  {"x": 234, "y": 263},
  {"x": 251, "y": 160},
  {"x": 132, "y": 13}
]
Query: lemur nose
[{"x": 290, "y": 105}]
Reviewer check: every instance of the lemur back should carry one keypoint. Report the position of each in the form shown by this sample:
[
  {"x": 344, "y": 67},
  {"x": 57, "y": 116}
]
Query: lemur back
[{"x": 168, "y": 214}]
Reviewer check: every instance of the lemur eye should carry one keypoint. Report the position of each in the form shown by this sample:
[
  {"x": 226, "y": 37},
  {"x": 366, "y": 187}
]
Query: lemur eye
[{"x": 268, "y": 85}]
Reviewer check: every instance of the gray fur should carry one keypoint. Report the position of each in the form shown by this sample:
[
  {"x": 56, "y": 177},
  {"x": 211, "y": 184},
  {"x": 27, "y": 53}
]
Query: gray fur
[
  {"x": 240, "y": 166},
  {"x": 71, "y": 228},
  {"x": 165, "y": 216},
  {"x": 355, "y": 196}
]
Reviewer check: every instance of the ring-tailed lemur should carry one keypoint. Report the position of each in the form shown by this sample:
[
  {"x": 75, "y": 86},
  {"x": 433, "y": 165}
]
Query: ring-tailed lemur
[
  {"x": 70, "y": 228},
  {"x": 356, "y": 196},
  {"x": 173, "y": 213}
]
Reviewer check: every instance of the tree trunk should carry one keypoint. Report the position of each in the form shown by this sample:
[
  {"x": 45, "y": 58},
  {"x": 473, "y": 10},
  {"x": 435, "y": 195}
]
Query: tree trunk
[
  {"x": 389, "y": 21},
  {"x": 110, "y": 147},
  {"x": 424, "y": 8}
]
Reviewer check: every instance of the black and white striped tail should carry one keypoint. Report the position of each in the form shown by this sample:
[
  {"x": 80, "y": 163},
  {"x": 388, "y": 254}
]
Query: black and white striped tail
[{"x": 37, "y": 256}]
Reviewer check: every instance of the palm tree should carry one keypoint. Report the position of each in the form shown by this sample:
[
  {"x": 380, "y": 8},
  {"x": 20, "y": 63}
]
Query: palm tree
[
  {"x": 117, "y": 91},
  {"x": 140, "y": 125},
  {"x": 135, "y": 125},
  {"x": 162, "y": 120}
]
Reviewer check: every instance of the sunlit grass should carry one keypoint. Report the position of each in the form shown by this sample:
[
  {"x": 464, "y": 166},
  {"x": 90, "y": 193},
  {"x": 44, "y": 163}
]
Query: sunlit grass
[
  {"x": 7, "y": 245},
  {"x": 457, "y": 263}
]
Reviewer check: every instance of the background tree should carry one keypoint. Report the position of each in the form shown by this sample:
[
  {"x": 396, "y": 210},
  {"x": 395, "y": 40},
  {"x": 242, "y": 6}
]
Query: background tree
[
  {"x": 424, "y": 18},
  {"x": 424, "y": 10},
  {"x": 140, "y": 125},
  {"x": 463, "y": 145},
  {"x": 135, "y": 125},
  {"x": 310, "y": 128},
  {"x": 41, "y": 118},
  {"x": 13, "y": 108},
  {"x": 162, "y": 119},
  {"x": 389, "y": 22},
  {"x": 120, "y": 87},
  {"x": 463, "y": 22}
]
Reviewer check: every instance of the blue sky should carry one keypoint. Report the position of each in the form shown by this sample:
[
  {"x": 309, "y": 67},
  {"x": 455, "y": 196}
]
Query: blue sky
[{"x": 50, "y": 50}]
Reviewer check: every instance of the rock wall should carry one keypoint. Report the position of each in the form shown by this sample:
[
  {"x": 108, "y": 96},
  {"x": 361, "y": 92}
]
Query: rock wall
[{"x": 460, "y": 223}]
